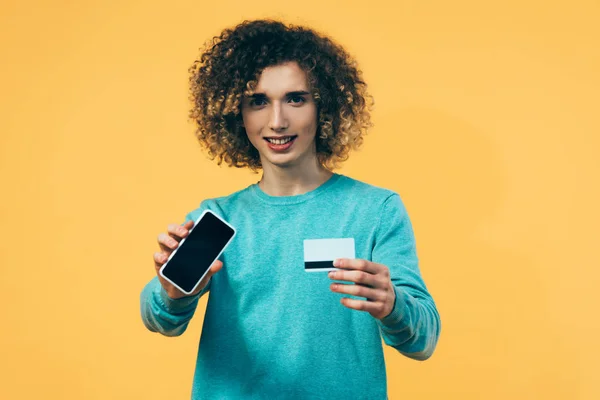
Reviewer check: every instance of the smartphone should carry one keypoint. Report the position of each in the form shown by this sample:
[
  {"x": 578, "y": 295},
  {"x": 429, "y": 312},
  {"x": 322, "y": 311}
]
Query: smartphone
[{"x": 189, "y": 263}]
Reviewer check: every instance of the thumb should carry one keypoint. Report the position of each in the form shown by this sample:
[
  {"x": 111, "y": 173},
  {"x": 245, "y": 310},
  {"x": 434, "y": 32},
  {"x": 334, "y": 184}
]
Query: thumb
[{"x": 216, "y": 267}]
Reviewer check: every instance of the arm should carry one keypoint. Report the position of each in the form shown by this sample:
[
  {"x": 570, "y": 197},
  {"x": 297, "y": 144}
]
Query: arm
[
  {"x": 164, "y": 313},
  {"x": 413, "y": 326},
  {"x": 160, "y": 313}
]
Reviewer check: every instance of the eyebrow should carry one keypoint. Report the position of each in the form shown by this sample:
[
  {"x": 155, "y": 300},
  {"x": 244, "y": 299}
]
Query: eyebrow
[{"x": 288, "y": 94}]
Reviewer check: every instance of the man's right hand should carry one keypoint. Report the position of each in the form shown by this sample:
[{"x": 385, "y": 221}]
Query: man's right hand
[{"x": 168, "y": 243}]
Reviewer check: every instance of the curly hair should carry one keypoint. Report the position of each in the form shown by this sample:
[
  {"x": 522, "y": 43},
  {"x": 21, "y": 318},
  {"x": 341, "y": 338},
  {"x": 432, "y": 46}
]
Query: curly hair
[{"x": 230, "y": 66}]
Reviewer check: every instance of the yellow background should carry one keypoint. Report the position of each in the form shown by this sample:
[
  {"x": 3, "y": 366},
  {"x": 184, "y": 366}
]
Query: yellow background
[{"x": 486, "y": 123}]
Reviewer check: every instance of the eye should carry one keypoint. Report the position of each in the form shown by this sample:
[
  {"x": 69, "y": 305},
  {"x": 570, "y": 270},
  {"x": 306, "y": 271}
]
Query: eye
[
  {"x": 297, "y": 100},
  {"x": 257, "y": 102}
]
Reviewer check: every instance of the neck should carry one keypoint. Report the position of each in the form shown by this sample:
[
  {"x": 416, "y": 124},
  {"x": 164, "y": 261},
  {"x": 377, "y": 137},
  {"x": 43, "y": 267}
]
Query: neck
[{"x": 278, "y": 181}]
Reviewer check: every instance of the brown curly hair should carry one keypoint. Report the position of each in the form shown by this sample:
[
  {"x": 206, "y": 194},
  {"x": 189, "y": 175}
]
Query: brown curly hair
[{"x": 230, "y": 66}]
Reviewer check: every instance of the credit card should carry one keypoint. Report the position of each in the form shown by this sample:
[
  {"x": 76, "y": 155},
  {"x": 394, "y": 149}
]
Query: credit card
[{"x": 319, "y": 254}]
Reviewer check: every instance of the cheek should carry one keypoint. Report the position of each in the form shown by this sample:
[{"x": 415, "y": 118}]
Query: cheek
[
  {"x": 308, "y": 122},
  {"x": 252, "y": 123}
]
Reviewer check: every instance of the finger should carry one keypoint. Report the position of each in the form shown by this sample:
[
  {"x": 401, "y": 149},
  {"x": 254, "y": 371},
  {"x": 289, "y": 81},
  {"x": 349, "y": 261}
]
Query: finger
[
  {"x": 360, "y": 277},
  {"x": 159, "y": 259},
  {"x": 177, "y": 232},
  {"x": 372, "y": 307},
  {"x": 359, "y": 290},
  {"x": 216, "y": 267},
  {"x": 167, "y": 243},
  {"x": 358, "y": 264}
]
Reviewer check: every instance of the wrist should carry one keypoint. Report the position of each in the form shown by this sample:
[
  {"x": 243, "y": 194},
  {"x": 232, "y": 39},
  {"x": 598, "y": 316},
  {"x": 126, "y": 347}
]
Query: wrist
[
  {"x": 180, "y": 301},
  {"x": 174, "y": 294},
  {"x": 398, "y": 309}
]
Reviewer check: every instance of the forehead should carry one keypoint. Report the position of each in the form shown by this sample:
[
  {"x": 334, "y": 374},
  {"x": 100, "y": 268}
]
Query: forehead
[{"x": 279, "y": 79}]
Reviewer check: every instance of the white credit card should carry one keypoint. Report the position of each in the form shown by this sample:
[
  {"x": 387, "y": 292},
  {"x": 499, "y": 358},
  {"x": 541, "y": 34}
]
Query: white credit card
[{"x": 319, "y": 254}]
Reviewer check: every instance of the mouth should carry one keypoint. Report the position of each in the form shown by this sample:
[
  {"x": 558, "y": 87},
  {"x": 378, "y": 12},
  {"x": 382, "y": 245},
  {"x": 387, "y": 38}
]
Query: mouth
[
  {"x": 280, "y": 144},
  {"x": 280, "y": 140}
]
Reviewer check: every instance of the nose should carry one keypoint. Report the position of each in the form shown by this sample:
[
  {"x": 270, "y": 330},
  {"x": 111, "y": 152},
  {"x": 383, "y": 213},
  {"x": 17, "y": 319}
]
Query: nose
[{"x": 277, "y": 119}]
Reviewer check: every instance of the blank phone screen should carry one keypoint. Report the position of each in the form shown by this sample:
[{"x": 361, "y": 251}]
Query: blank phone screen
[{"x": 198, "y": 251}]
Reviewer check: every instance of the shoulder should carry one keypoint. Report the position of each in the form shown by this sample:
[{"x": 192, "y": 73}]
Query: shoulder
[
  {"x": 228, "y": 201},
  {"x": 367, "y": 192},
  {"x": 371, "y": 198},
  {"x": 221, "y": 205}
]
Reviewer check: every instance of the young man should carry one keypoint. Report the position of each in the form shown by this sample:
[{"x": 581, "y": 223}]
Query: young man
[{"x": 292, "y": 103}]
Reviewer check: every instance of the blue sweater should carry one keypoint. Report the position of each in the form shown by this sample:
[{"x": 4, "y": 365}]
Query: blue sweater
[{"x": 272, "y": 330}]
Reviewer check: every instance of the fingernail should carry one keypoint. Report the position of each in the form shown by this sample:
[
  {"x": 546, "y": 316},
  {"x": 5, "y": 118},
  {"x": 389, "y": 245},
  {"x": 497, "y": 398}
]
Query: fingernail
[
  {"x": 336, "y": 262},
  {"x": 332, "y": 274}
]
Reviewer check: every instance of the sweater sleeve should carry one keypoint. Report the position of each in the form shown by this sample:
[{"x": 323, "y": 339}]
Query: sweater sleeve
[
  {"x": 162, "y": 314},
  {"x": 413, "y": 326}
]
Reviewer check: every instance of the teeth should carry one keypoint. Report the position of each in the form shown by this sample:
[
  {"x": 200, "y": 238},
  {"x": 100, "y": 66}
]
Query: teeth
[{"x": 279, "y": 141}]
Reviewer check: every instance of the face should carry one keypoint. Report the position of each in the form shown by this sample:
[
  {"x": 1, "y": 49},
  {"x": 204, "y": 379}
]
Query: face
[{"x": 280, "y": 118}]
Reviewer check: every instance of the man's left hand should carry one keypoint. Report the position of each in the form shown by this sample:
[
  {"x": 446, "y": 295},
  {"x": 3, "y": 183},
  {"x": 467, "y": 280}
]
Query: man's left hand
[{"x": 372, "y": 281}]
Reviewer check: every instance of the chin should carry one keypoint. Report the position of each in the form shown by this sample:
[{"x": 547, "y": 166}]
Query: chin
[{"x": 281, "y": 162}]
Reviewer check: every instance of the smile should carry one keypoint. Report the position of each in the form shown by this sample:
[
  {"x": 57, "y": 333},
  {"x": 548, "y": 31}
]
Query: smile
[{"x": 280, "y": 141}]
